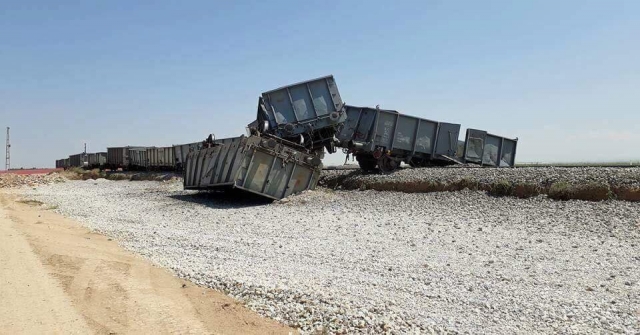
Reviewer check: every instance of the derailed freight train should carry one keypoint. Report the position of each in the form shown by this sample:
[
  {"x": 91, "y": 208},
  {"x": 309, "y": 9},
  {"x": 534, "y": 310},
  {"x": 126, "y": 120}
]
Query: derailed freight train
[
  {"x": 283, "y": 153},
  {"x": 295, "y": 125},
  {"x": 383, "y": 139}
]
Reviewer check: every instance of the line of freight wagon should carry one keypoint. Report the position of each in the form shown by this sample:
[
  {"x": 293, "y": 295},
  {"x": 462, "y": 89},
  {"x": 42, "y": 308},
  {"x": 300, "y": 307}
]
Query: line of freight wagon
[
  {"x": 294, "y": 126},
  {"x": 133, "y": 158},
  {"x": 313, "y": 114}
]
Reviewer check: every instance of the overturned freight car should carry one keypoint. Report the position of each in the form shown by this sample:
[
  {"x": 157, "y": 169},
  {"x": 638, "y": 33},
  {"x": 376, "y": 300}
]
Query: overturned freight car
[
  {"x": 308, "y": 113},
  {"x": 385, "y": 138},
  {"x": 264, "y": 165}
]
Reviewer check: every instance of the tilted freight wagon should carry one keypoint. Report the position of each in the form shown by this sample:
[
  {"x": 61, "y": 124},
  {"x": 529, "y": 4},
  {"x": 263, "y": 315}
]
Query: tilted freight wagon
[
  {"x": 180, "y": 152},
  {"x": 118, "y": 157},
  {"x": 161, "y": 158},
  {"x": 488, "y": 149},
  {"x": 308, "y": 113},
  {"x": 385, "y": 138},
  {"x": 268, "y": 166}
]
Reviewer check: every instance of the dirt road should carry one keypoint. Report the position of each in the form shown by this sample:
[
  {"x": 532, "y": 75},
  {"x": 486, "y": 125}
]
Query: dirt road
[{"x": 58, "y": 277}]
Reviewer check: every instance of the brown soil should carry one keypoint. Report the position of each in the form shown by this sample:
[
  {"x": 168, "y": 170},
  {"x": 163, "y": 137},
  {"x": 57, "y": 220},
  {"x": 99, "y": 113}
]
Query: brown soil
[
  {"x": 591, "y": 191},
  {"x": 58, "y": 277},
  {"x": 627, "y": 193}
]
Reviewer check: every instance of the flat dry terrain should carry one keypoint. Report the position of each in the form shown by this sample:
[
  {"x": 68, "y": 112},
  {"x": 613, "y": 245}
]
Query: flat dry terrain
[
  {"x": 373, "y": 262},
  {"x": 58, "y": 277}
]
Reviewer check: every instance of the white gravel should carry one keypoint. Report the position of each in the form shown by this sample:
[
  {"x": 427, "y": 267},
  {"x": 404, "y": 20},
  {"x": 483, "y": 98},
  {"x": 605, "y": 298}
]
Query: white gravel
[
  {"x": 352, "y": 262},
  {"x": 544, "y": 176}
]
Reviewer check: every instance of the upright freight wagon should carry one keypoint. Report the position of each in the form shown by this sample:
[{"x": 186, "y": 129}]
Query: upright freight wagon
[
  {"x": 138, "y": 158},
  {"x": 90, "y": 157},
  {"x": 160, "y": 158},
  {"x": 96, "y": 160},
  {"x": 308, "y": 113},
  {"x": 268, "y": 166},
  {"x": 78, "y": 160},
  {"x": 385, "y": 138},
  {"x": 119, "y": 157}
]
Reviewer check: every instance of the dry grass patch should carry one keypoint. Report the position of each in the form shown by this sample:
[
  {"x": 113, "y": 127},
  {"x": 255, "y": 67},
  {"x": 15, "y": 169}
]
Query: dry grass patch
[
  {"x": 627, "y": 193},
  {"x": 562, "y": 190},
  {"x": 73, "y": 173},
  {"x": 31, "y": 202},
  {"x": 590, "y": 191},
  {"x": 117, "y": 176},
  {"x": 93, "y": 174},
  {"x": 502, "y": 188},
  {"x": 82, "y": 174},
  {"x": 527, "y": 190},
  {"x": 464, "y": 183}
]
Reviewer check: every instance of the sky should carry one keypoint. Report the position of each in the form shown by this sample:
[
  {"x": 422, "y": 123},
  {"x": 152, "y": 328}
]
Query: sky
[{"x": 561, "y": 76}]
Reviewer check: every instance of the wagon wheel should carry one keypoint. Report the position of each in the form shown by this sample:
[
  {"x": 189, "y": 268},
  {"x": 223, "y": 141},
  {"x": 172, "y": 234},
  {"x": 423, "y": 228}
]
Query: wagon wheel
[
  {"x": 415, "y": 162},
  {"x": 366, "y": 163},
  {"x": 387, "y": 164}
]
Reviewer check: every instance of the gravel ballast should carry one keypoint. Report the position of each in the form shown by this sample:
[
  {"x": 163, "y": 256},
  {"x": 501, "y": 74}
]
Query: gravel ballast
[
  {"x": 535, "y": 175},
  {"x": 585, "y": 183},
  {"x": 371, "y": 262}
]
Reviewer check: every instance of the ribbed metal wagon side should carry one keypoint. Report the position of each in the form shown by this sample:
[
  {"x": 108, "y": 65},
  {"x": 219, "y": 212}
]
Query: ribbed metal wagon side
[
  {"x": 488, "y": 149},
  {"x": 161, "y": 158},
  {"x": 261, "y": 165},
  {"x": 385, "y": 138},
  {"x": 180, "y": 152},
  {"x": 308, "y": 113}
]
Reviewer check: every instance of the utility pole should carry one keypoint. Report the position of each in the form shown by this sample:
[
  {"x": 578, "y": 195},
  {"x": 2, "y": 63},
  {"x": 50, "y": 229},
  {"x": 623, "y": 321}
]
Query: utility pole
[{"x": 7, "y": 161}]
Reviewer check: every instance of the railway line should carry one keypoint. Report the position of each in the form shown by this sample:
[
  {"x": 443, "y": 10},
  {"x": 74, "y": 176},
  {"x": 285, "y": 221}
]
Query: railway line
[{"x": 295, "y": 126}]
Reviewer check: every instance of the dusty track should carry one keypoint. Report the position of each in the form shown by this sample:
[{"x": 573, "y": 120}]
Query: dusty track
[{"x": 58, "y": 277}]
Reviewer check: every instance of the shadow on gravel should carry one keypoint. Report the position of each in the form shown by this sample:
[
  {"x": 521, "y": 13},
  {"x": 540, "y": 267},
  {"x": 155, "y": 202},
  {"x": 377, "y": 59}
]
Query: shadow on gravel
[{"x": 223, "y": 199}]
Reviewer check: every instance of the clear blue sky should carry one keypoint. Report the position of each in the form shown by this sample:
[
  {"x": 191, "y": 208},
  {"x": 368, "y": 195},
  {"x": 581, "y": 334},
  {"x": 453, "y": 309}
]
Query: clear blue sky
[{"x": 563, "y": 76}]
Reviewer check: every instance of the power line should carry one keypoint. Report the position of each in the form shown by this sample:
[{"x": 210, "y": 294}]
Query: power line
[{"x": 7, "y": 162}]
